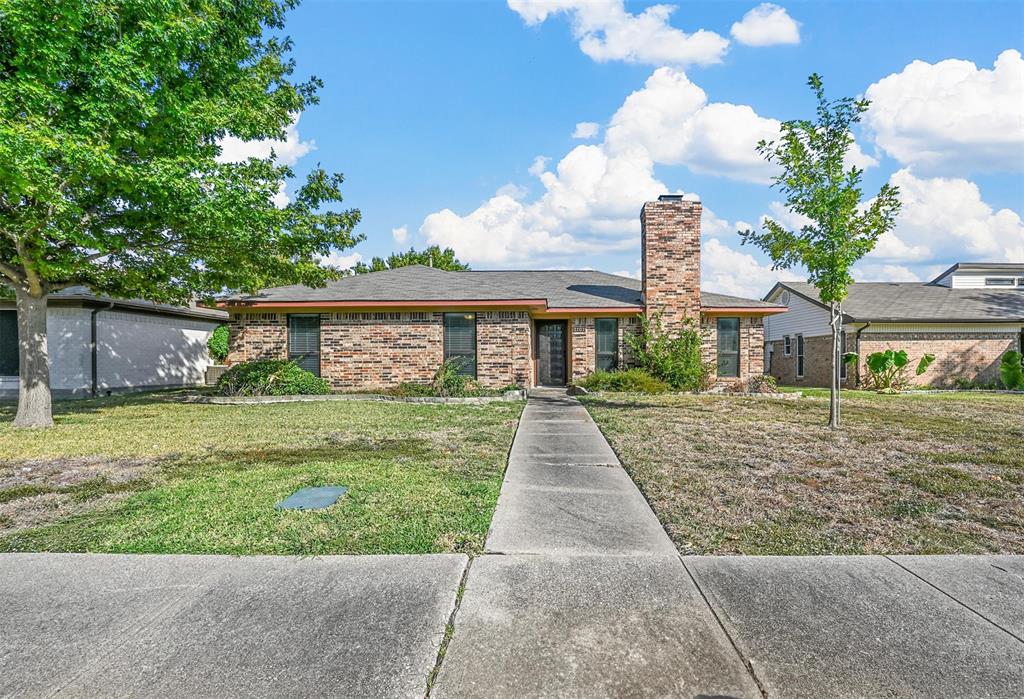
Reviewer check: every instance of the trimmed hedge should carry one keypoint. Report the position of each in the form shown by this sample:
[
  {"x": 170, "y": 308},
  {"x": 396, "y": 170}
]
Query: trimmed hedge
[
  {"x": 628, "y": 381},
  {"x": 270, "y": 377}
]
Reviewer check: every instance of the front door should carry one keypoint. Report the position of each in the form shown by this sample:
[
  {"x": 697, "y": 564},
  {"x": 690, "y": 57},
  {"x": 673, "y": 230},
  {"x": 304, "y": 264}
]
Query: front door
[{"x": 551, "y": 352}]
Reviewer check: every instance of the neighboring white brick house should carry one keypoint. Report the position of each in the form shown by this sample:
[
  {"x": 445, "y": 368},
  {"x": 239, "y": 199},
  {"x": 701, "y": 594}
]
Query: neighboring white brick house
[{"x": 138, "y": 345}]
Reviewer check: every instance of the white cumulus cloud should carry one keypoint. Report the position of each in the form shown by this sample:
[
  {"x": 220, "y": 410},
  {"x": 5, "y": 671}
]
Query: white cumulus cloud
[
  {"x": 728, "y": 271},
  {"x": 400, "y": 234},
  {"x": 341, "y": 260},
  {"x": 607, "y": 32},
  {"x": 951, "y": 117},
  {"x": 766, "y": 25},
  {"x": 287, "y": 152},
  {"x": 586, "y": 130}
]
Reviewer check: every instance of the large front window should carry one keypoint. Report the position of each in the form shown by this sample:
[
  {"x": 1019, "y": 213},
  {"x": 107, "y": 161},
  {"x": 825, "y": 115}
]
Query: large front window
[
  {"x": 304, "y": 341},
  {"x": 8, "y": 343},
  {"x": 729, "y": 347},
  {"x": 460, "y": 341},
  {"x": 607, "y": 342}
]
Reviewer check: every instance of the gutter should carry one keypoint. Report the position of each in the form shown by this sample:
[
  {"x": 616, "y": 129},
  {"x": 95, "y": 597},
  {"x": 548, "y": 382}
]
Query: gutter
[
  {"x": 859, "y": 331},
  {"x": 93, "y": 343}
]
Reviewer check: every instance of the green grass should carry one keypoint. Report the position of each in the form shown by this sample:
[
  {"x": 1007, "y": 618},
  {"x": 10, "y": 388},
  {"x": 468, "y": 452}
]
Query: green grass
[
  {"x": 147, "y": 474},
  {"x": 935, "y": 473}
]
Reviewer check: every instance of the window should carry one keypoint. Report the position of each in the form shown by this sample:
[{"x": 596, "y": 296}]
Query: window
[
  {"x": 999, "y": 281},
  {"x": 728, "y": 346},
  {"x": 8, "y": 343},
  {"x": 842, "y": 353},
  {"x": 787, "y": 346},
  {"x": 799, "y": 356},
  {"x": 304, "y": 341},
  {"x": 607, "y": 342},
  {"x": 460, "y": 341}
]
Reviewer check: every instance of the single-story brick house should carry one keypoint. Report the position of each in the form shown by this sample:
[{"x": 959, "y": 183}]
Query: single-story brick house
[
  {"x": 99, "y": 345},
  {"x": 967, "y": 317},
  {"x": 511, "y": 327}
]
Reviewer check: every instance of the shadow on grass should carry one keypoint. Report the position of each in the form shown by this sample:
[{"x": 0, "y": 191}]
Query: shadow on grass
[{"x": 86, "y": 406}]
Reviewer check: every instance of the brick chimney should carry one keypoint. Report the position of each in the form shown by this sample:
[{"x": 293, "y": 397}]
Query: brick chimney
[{"x": 670, "y": 258}]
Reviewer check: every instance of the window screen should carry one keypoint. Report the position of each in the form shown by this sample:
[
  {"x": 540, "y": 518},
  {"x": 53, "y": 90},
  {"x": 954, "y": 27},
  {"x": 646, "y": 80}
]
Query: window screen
[
  {"x": 799, "y": 355},
  {"x": 304, "y": 341},
  {"x": 8, "y": 343},
  {"x": 728, "y": 346},
  {"x": 460, "y": 341},
  {"x": 607, "y": 341}
]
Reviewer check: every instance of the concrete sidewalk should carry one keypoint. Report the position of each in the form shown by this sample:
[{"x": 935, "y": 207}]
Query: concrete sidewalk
[
  {"x": 583, "y": 595},
  {"x": 217, "y": 626}
]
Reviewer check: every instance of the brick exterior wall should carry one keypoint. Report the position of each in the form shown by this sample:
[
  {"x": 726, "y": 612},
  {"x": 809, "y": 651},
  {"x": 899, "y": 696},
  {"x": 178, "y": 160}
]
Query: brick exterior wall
[
  {"x": 257, "y": 336},
  {"x": 817, "y": 362},
  {"x": 970, "y": 356},
  {"x": 504, "y": 341},
  {"x": 670, "y": 259},
  {"x": 751, "y": 345},
  {"x": 380, "y": 349}
]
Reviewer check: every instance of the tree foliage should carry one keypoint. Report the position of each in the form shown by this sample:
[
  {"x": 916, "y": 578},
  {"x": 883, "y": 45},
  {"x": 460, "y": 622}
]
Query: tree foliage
[
  {"x": 432, "y": 256},
  {"x": 111, "y": 116},
  {"x": 819, "y": 186}
]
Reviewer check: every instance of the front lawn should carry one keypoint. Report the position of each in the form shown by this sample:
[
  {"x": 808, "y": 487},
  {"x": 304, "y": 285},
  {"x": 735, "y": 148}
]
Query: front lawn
[
  {"x": 940, "y": 473},
  {"x": 147, "y": 474}
]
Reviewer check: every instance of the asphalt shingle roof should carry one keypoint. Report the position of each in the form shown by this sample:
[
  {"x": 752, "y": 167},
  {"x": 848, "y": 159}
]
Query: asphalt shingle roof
[
  {"x": 560, "y": 289},
  {"x": 929, "y": 303}
]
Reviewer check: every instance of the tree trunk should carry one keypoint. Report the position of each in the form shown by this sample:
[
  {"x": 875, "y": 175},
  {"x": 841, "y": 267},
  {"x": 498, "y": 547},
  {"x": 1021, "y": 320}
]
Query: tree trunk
[
  {"x": 34, "y": 409},
  {"x": 834, "y": 397}
]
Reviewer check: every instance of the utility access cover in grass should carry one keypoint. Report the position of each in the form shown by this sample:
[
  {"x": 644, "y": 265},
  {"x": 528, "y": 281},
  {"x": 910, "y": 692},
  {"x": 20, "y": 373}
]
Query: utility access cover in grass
[{"x": 312, "y": 498}]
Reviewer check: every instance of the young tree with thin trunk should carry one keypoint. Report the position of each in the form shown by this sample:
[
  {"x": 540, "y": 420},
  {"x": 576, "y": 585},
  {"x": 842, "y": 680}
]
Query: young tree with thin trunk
[
  {"x": 818, "y": 186},
  {"x": 111, "y": 116}
]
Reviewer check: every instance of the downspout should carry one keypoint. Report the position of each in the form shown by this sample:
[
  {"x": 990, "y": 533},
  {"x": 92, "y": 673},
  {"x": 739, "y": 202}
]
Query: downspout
[
  {"x": 93, "y": 343},
  {"x": 859, "y": 331}
]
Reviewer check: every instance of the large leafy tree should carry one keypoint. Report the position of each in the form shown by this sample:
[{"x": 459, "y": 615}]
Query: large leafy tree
[
  {"x": 818, "y": 186},
  {"x": 432, "y": 256},
  {"x": 111, "y": 115}
]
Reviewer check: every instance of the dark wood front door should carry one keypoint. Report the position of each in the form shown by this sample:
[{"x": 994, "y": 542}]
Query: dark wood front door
[{"x": 551, "y": 352}]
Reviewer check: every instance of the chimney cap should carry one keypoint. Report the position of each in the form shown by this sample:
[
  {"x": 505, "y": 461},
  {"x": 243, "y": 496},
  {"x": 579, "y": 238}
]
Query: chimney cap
[{"x": 670, "y": 197}]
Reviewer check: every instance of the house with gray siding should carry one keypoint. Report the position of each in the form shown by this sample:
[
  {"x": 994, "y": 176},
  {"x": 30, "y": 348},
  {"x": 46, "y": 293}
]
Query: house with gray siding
[
  {"x": 968, "y": 317},
  {"x": 526, "y": 328},
  {"x": 99, "y": 345}
]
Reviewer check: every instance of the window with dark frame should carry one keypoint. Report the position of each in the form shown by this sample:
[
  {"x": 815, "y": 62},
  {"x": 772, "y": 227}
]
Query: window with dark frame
[
  {"x": 729, "y": 347},
  {"x": 606, "y": 331},
  {"x": 787, "y": 346},
  {"x": 9, "y": 362},
  {"x": 304, "y": 341},
  {"x": 999, "y": 281},
  {"x": 460, "y": 341},
  {"x": 799, "y": 356}
]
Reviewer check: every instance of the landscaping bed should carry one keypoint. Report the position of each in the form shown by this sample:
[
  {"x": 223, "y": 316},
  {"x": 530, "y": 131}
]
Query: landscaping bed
[
  {"x": 939, "y": 473},
  {"x": 152, "y": 474}
]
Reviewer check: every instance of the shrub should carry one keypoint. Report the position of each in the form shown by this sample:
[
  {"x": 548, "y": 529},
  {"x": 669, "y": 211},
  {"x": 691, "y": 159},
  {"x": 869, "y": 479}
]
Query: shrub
[
  {"x": 1012, "y": 371},
  {"x": 887, "y": 370},
  {"x": 674, "y": 358},
  {"x": 759, "y": 383},
  {"x": 409, "y": 389},
  {"x": 629, "y": 381},
  {"x": 449, "y": 382},
  {"x": 218, "y": 344},
  {"x": 270, "y": 377}
]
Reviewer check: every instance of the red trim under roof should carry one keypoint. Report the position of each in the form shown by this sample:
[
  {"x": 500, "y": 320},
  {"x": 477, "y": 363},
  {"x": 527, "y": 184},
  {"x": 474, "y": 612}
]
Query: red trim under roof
[
  {"x": 763, "y": 310},
  {"x": 381, "y": 304}
]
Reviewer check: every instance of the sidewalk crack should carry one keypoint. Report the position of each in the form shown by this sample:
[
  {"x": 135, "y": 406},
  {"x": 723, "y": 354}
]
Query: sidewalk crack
[
  {"x": 743, "y": 659},
  {"x": 449, "y": 630},
  {"x": 962, "y": 604}
]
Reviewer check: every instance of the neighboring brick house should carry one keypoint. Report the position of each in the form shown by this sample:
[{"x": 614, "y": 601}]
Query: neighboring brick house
[
  {"x": 968, "y": 317},
  {"x": 511, "y": 327}
]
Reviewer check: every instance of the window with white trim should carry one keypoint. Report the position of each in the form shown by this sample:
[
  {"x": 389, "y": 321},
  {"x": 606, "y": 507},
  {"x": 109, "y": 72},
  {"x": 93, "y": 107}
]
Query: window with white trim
[
  {"x": 842, "y": 353},
  {"x": 8, "y": 343},
  {"x": 999, "y": 281},
  {"x": 787, "y": 346}
]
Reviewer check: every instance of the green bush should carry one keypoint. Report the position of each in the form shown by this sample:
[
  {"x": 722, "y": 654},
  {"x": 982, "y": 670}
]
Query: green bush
[
  {"x": 628, "y": 381},
  {"x": 218, "y": 344},
  {"x": 1012, "y": 371},
  {"x": 270, "y": 377},
  {"x": 450, "y": 383},
  {"x": 674, "y": 358},
  {"x": 887, "y": 370}
]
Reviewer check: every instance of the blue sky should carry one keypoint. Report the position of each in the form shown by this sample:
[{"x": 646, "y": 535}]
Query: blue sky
[{"x": 437, "y": 114}]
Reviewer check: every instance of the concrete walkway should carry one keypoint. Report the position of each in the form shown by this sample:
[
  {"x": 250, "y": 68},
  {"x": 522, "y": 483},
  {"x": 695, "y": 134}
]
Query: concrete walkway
[{"x": 583, "y": 595}]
